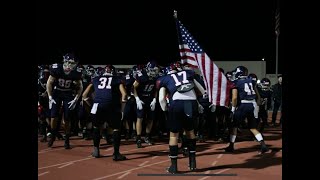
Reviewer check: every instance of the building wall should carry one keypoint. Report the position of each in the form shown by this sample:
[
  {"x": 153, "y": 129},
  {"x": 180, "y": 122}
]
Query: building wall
[{"x": 256, "y": 67}]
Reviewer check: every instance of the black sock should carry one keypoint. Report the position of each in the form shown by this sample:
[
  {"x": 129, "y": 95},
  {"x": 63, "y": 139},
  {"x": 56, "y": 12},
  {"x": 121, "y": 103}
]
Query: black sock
[
  {"x": 231, "y": 144},
  {"x": 184, "y": 141},
  {"x": 148, "y": 135},
  {"x": 173, "y": 151},
  {"x": 262, "y": 143},
  {"x": 116, "y": 141},
  {"x": 96, "y": 137},
  {"x": 191, "y": 144},
  {"x": 138, "y": 137}
]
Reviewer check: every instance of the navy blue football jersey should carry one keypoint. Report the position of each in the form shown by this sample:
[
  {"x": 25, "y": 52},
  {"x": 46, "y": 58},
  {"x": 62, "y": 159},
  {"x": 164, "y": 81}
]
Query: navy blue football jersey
[
  {"x": 146, "y": 86},
  {"x": 107, "y": 89},
  {"x": 265, "y": 95},
  {"x": 64, "y": 81},
  {"x": 174, "y": 81},
  {"x": 129, "y": 80},
  {"x": 245, "y": 89}
]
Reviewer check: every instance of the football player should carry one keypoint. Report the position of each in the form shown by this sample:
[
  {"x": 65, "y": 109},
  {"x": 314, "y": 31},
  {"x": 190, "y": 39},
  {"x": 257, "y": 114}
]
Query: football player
[
  {"x": 248, "y": 95},
  {"x": 182, "y": 111},
  {"x": 64, "y": 79},
  {"x": 110, "y": 98}
]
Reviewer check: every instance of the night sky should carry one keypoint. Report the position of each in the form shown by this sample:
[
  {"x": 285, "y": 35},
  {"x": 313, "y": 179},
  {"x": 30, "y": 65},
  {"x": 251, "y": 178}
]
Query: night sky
[{"x": 133, "y": 33}]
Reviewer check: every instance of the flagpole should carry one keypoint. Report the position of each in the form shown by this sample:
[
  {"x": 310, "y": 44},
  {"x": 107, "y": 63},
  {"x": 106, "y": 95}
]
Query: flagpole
[
  {"x": 175, "y": 15},
  {"x": 277, "y": 31},
  {"x": 277, "y": 40}
]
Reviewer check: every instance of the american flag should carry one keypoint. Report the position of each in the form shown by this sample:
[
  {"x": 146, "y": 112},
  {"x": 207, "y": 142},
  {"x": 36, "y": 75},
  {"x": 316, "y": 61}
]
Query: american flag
[{"x": 217, "y": 85}]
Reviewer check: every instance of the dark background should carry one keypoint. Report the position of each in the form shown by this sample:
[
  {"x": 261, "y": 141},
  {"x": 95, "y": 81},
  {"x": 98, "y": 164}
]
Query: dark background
[{"x": 133, "y": 33}]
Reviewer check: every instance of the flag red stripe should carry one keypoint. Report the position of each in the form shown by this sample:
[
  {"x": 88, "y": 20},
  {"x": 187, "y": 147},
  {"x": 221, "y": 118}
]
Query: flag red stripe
[
  {"x": 219, "y": 87},
  {"x": 203, "y": 65},
  {"x": 211, "y": 76},
  {"x": 185, "y": 50},
  {"x": 188, "y": 57}
]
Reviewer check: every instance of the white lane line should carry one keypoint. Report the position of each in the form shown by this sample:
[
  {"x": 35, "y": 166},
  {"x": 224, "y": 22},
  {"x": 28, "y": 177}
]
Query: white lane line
[
  {"x": 43, "y": 173},
  {"x": 49, "y": 150},
  {"x": 142, "y": 164},
  {"x": 65, "y": 165},
  {"x": 220, "y": 155},
  {"x": 207, "y": 172},
  {"x": 222, "y": 171},
  {"x": 154, "y": 157},
  {"x": 110, "y": 175},
  {"x": 93, "y": 157},
  {"x": 214, "y": 163},
  {"x": 120, "y": 177}
]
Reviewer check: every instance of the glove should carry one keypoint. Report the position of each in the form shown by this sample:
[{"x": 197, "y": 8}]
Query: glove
[
  {"x": 200, "y": 108},
  {"x": 232, "y": 112},
  {"x": 231, "y": 116},
  {"x": 212, "y": 107},
  {"x": 51, "y": 101},
  {"x": 73, "y": 103},
  {"x": 153, "y": 104},
  {"x": 205, "y": 96},
  {"x": 139, "y": 103}
]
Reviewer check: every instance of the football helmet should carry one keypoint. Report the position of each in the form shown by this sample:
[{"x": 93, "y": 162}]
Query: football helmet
[
  {"x": 137, "y": 69},
  {"x": 109, "y": 70},
  {"x": 265, "y": 83},
  {"x": 178, "y": 65},
  {"x": 240, "y": 72},
  {"x": 44, "y": 72},
  {"x": 69, "y": 63},
  {"x": 100, "y": 71},
  {"x": 90, "y": 71},
  {"x": 253, "y": 77},
  {"x": 174, "y": 67},
  {"x": 152, "y": 69}
]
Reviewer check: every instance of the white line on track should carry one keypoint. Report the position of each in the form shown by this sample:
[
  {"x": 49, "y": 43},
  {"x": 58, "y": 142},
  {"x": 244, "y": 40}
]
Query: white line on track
[
  {"x": 120, "y": 177},
  {"x": 110, "y": 175},
  {"x": 222, "y": 171},
  {"x": 132, "y": 169},
  {"x": 214, "y": 163},
  {"x": 65, "y": 165},
  {"x": 154, "y": 157},
  {"x": 207, "y": 172},
  {"x": 43, "y": 173},
  {"x": 142, "y": 164},
  {"x": 93, "y": 157}
]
